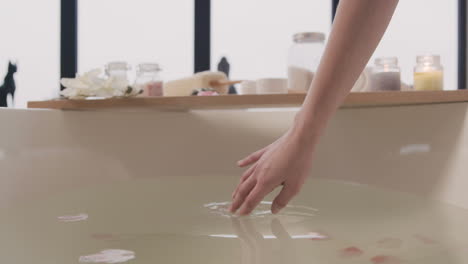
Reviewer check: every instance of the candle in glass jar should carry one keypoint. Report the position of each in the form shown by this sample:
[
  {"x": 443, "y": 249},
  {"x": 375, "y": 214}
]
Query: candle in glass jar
[
  {"x": 429, "y": 81},
  {"x": 428, "y": 74},
  {"x": 148, "y": 80},
  {"x": 154, "y": 88}
]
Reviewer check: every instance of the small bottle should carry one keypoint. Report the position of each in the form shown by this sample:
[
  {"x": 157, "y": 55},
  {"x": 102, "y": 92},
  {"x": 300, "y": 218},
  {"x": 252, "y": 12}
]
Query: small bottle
[
  {"x": 386, "y": 75},
  {"x": 118, "y": 69},
  {"x": 148, "y": 79},
  {"x": 428, "y": 74}
]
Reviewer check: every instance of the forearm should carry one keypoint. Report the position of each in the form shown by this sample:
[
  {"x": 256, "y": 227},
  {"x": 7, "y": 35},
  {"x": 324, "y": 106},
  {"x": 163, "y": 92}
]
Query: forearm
[{"x": 358, "y": 29}]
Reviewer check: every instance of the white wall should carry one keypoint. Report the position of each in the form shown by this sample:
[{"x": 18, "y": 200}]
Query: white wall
[
  {"x": 424, "y": 27},
  {"x": 30, "y": 34},
  {"x": 137, "y": 31},
  {"x": 256, "y": 35}
]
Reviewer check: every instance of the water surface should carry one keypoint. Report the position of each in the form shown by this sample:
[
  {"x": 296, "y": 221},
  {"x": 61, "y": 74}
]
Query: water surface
[{"x": 185, "y": 220}]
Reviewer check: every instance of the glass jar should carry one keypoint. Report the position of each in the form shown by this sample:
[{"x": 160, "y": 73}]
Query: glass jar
[
  {"x": 148, "y": 79},
  {"x": 118, "y": 69},
  {"x": 428, "y": 74},
  {"x": 386, "y": 75},
  {"x": 304, "y": 59}
]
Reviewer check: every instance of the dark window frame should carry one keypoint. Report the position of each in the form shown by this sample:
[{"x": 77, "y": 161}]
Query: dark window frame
[
  {"x": 68, "y": 38},
  {"x": 334, "y": 8},
  {"x": 202, "y": 35},
  {"x": 462, "y": 44},
  {"x": 202, "y": 45}
]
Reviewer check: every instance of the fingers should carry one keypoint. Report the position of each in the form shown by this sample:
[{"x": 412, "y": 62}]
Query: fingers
[
  {"x": 243, "y": 191},
  {"x": 252, "y": 158},
  {"x": 284, "y": 197},
  {"x": 254, "y": 199},
  {"x": 247, "y": 173},
  {"x": 244, "y": 177}
]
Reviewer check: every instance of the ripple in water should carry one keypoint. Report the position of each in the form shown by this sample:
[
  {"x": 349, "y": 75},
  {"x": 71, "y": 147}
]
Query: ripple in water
[
  {"x": 109, "y": 256},
  {"x": 263, "y": 210}
]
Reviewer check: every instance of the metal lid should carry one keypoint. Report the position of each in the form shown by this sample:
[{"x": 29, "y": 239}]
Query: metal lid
[
  {"x": 149, "y": 67},
  {"x": 386, "y": 61},
  {"x": 428, "y": 59},
  {"x": 118, "y": 66},
  {"x": 309, "y": 37}
]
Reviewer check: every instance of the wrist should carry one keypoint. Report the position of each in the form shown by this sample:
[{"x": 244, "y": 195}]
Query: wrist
[{"x": 308, "y": 128}]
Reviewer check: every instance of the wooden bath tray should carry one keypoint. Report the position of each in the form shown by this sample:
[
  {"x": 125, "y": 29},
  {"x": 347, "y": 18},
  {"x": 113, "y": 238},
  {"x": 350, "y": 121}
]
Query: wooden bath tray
[{"x": 253, "y": 101}]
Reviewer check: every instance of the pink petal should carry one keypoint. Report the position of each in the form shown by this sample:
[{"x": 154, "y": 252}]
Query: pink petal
[{"x": 351, "y": 252}]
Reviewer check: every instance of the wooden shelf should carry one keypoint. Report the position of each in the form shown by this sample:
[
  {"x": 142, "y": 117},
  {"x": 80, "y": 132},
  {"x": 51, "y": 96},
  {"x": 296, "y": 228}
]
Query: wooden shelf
[{"x": 253, "y": 101}]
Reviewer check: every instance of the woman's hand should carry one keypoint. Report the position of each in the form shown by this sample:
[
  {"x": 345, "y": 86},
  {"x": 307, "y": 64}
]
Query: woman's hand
[{"x": 285, "y": 162}]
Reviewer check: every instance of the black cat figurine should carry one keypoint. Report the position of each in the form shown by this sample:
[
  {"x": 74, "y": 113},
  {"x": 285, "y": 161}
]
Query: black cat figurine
[
  {"x": 9, "y": 86},
  {"x": 225, "y": 67}
]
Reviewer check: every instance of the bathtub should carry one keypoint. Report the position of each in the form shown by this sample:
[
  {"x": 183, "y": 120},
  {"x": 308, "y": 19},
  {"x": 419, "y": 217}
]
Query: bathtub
[{"x": 153, "y": 187}]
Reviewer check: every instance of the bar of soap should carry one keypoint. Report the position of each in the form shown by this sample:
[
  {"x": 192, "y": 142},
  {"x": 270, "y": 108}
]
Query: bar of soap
[{"x": 185, "y": 87}]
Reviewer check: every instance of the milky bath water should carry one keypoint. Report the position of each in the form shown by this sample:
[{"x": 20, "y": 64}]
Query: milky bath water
[{"x": 185, "y": 220}]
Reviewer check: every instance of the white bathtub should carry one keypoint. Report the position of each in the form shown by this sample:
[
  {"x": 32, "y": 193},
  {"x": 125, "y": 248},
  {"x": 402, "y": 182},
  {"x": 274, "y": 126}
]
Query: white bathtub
[{"x": 73, "y": 184}]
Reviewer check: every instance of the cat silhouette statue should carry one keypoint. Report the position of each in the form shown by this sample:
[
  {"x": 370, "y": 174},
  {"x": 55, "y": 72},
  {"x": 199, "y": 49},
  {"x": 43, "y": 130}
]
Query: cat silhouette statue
[
  {"x": 225, "y": 67},
  {"x": 9, "y": 86}
]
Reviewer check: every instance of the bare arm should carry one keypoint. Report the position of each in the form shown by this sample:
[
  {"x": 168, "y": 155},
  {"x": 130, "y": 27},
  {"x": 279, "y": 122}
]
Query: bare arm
[{"x": 358, "y": 28}]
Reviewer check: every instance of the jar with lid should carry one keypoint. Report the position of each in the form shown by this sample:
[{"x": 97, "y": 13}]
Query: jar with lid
[
  {"x": 304, "y": 59},
  {"x": 148, "y": 79},
  {"x": 428, "y": 73},
  {"x": 118, "y": 69},
  {"x": 386, "y": 75}
]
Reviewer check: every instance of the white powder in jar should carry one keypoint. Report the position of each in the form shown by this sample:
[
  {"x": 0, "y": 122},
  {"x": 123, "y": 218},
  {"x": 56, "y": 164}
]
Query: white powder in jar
[{"x": 299, "y": 79}]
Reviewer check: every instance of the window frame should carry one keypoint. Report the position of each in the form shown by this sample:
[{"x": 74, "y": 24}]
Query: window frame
[
  {"x": 68, "y": 39},
  {"x": 462, "y": 44}
]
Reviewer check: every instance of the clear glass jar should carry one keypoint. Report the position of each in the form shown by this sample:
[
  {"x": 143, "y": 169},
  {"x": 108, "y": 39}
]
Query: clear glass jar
[
  {"x": 148, "y": 79},
  {"x": 386, "y": 75},
  {"x": 428, "y": 73},
  {"x": 118, "y": 69},
  {"x": 304, "y": 59}
]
